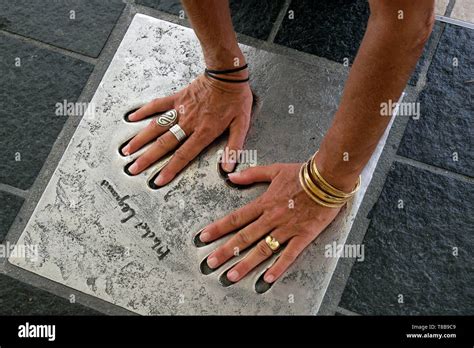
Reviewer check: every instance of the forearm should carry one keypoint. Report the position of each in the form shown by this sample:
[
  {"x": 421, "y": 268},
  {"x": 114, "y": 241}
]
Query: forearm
[
  {"x": 212, "y": 24},
  {"x": 386, "y": 58}
]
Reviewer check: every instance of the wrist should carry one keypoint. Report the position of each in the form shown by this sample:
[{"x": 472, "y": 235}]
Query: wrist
[
  {"x": 338, "y": 169},
  {"x": 222, "y": 58}
]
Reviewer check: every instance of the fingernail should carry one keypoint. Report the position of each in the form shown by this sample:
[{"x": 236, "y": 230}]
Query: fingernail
[
  {"x": 269, "y": 278},
  {"x": 233, "y": 175},
  {"x": 233, "y": 275},
  {"x": 126, "y": 150},
  {"x": 228, "y": 166},
  {"x": 131, "y": 116},
  {"x": 212, "y": 262},
  {"x": 159, "y": 181},
  {"x": 133, "y": 168},
  {"x": 204, "y": 237}
]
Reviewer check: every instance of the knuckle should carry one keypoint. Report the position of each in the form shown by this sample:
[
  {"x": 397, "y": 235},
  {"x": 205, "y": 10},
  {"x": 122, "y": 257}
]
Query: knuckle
[
  {"x": 243, "y": 237},
  {"x": 161, "y": 141},
  {"x": 234, "y": 220},
  {"x": 263, "y": 249}
]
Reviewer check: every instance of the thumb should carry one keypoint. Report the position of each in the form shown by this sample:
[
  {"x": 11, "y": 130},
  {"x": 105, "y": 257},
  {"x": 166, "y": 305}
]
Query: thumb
[{"x": 237, "y": 133}]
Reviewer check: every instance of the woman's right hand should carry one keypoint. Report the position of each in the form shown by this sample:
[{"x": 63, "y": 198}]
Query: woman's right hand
[{"x": 206, "y": 108}]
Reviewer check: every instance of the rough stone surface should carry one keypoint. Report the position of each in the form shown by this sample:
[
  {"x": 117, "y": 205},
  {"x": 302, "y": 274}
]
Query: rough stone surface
[
  {"x": 331, "y": 29},
  {"x": 85, "y": 30},
  {"x": 10, "y": 205},
  {"x": 443, "y": 135},
  {"x": 90, "y": 240},
  {"x": 17, "y": 298},
  {"x": 28, "y": 106},
  {"x": 250, "y": 17},
  {"x": 463, "y": 10},
  {"x": 409, "y": 250},
  {"x": 441, "y": 5}
]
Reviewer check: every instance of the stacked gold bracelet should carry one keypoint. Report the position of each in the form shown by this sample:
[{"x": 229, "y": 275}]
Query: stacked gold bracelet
[{"x": 319, "y": 190}]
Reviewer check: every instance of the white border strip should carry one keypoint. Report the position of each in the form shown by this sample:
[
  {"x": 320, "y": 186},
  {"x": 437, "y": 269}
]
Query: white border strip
[{"x": 455, "y": 21}]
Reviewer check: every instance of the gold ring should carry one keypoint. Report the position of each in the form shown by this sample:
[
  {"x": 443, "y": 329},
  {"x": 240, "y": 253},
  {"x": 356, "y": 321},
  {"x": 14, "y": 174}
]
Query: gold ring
[{"x": 272, "y": 243}]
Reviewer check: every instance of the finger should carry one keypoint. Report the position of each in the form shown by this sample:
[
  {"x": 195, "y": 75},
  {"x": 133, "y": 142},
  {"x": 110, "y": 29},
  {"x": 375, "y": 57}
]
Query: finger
[
  {"x": 152, "y": 131},
  {"x": 237, "y": 133},
  {"x": 231, "y": 222},
  {"x": 294, "y": 248},
  {"x": 182, "y": 156},
  {"x": 240, "y": 241},
  {"x": 158, "y": 149},
  {"x": 256, "y": 256},
  {"x": 254, "y": 174},
  {"x": 153, "y": 107}
]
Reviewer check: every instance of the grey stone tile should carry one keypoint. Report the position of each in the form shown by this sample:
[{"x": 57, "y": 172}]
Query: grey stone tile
[
  {"x": 331, "y": 29},
  {"x": 137, "y": 252},
  {"x": 82, "y": 26},
  {"x": 28, "y": 104},
  {"x": 9, "y": 207},
  {"x": 18, "y": 298},
  {"x": 410, "y": 249},
  {"x": 250, "y": 17},
  {"x": 442, "y": 136}
]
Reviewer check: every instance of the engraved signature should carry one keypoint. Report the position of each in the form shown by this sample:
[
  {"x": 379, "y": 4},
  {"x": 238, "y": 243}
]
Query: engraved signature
[{"x": 161, "y": 250}]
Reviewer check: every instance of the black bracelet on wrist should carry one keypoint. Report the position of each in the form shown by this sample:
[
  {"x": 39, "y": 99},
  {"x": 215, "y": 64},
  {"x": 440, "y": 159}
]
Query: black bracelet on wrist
[
  {"x": 210, "y": 73},
  {"x": 228, "y": 71}
]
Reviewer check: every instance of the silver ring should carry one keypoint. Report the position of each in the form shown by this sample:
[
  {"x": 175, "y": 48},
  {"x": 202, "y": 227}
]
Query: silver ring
[
  {"x": 167, "y": 119},
  {"x": 178, "y": 132}
]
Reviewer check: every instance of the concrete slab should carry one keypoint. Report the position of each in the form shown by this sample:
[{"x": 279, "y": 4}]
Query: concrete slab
[
  {"x": 463, "y": 10},
  {"x": 97, "y": 228}
]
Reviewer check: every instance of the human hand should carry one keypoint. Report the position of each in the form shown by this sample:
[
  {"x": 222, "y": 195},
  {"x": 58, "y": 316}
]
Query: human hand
[
  {"x": 206, "y": 108},
  {"x": 285, "y": 211}
]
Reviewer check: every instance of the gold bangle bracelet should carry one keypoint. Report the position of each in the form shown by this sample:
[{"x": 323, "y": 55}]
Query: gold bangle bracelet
[
  {"x": 310, "y": 194},
  {"x": 327, "y": 186},
  {"x": 310, "y": 183}
]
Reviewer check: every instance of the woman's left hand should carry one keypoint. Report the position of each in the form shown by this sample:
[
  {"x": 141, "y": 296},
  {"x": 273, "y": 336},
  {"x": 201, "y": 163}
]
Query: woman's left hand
[{"x": 285, "y": 211}]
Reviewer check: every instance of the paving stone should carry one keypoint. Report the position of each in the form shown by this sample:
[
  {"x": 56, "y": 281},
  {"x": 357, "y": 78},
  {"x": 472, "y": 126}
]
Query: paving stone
[
  {"x": 463, "y": 10},
  {"x": 330, "y": 29},
  {"x": 442, "y": 136},
  {"x": 28, "y": 105},
  {"x": 82, "y": 26},
  {"x": 409, "y": 251},
  {"x": 18, "y": 298},
  {"x": 250, "y": 17},
  {"x": 131, "y": 245},
  {"x": 9, "y": 208}
]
